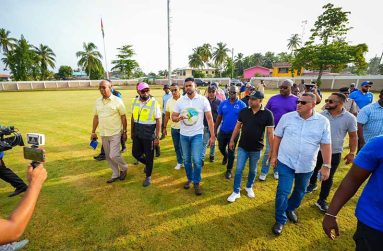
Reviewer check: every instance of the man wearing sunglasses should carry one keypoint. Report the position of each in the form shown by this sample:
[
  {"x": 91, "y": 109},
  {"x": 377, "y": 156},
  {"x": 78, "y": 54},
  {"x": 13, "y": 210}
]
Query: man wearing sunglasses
[
  {"x": 145, "y": 127},
  {"x": 228, "y": 114},
  {"x": 297, "y": 139},
  {"x": 341, "y": 123},
  {"x": 279, "y": 105},
  {"x": 363, "y": 96}
]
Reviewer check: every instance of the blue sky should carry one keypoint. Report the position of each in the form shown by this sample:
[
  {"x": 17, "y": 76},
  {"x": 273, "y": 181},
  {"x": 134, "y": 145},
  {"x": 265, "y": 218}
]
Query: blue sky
[{"x": 248, "y": 26}]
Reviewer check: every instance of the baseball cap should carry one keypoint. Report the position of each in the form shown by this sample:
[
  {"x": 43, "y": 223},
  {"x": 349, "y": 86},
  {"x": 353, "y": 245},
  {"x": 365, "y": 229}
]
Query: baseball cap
[
  {"x": 166, "y": 86},
  {"x": 256, "y": 95},
  {"x": 142, "y": 86},
  {"x": 344, "y": 90},
  {"x": 287, "y": 82},
  {"x": 352, "y": 84},
  {"x": 211, "y": 88},
  {"x": 366, "y": 83}
]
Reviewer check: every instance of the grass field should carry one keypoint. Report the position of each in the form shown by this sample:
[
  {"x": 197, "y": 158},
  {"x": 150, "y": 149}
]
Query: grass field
[{"x": 77, "y": 210}]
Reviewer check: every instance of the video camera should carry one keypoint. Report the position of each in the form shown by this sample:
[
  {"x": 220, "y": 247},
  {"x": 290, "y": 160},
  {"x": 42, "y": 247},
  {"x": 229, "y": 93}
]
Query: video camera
[{"x": 33, "y": 152}]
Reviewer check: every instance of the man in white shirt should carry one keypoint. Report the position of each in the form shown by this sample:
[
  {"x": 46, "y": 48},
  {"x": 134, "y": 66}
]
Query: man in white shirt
[{"x": 190, "y": 109}]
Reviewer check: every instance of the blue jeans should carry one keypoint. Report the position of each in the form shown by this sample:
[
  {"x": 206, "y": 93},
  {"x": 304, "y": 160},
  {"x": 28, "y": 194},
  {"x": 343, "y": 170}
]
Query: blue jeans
[
  {"x": 177, "y": 144},
  {"x": 285, "y": 183},
  {"x": 265, "y": 168},
  {"x": 206, "y": 137},
  {"x": 192, "y": 148},
  {"x": 241, "y": 162}
]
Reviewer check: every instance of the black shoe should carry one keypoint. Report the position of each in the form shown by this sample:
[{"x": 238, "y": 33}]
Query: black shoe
[
  {"x": 123, "y": 174},
  {"x": 291, "y": 215},
  {"x": 147, "y": 181},
  {"x": 211, "y": 159},
  {"x": 322, "y": 205},
  {"x": 224, "y": 161},
  {"x": 187, "y": 185},
  {"x": 311, "y": 187},
  {"x": 203, "y": 163},
  {"x": 158, "y": 154},
  {"x": 228, "y": 174},
  {"x": 162, "y": 137},
  {"x": 197, "y": 189},
  {"x": 123, "y": 150},
  {"x": 100, "y": 157},
  {"x": 18, "y": 191},
  {"x": 111, "y": 180},
  {"x": 277, "y": 228}
]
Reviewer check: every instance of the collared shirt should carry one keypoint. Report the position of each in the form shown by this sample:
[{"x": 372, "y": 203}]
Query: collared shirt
[
  {"x": 165, "y": 99},
  {"x": 280, "y": 105},
  {"x": 229, "y": 113},
  {"x": 362, "y": 99},
  {"x": 301, "y": 139},
  {"x": 214, "y": 110},
  {"x": 351, "y": 106},
  {"x": 369, "y": 209},
  {"x": 109, "y": 112},
  {"x": 371, "y": 117},
  {"x": 253, "y": 128},
  {"x": 340, "y": 125},
  {"x": 194, "y": 109},
  {"x": 170, "y": 108}
]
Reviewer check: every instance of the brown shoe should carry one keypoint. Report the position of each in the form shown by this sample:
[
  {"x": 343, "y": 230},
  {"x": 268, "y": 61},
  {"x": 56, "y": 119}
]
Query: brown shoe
[
  {"x": 197, "y": 189},
  {"x": 123, "y": 174},
  {"x": 111, "y": 180},
  {"x": 187, "y": 185}
]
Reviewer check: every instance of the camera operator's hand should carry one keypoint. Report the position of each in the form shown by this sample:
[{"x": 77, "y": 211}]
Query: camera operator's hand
[
  {"x": 38, "y": 175},
  {"x": 93, "y": 136}
]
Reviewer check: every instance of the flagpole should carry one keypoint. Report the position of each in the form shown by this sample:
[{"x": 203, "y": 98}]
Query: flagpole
[{"x": 106, "y": 61}]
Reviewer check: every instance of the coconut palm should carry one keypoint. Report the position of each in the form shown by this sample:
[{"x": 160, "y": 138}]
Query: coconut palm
[
  {"x": 220, "y": 53},
  {"x": 45, "y": 58},
  {"x": 195, "y": 59},
  {"x": 6, "y": 43},
  {"x": 205, "y": 52},
  {"x": 294, "y": 42},
  {"x": 90, "y": 59}
]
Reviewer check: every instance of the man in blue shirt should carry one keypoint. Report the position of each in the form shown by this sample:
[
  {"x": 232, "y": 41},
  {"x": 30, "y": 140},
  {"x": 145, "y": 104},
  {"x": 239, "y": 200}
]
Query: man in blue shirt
[
  {"x": 298, "y": 137},
  {"x": 369, "y": 210},
  {"x": 228, "y": 114},
  {"x": 363, "y": 96},
  {"x": 370, "y": 121}
]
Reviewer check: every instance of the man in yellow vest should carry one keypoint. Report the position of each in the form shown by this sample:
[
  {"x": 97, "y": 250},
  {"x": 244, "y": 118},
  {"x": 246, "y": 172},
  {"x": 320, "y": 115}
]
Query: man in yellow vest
[{"x": 145, "y": 128}]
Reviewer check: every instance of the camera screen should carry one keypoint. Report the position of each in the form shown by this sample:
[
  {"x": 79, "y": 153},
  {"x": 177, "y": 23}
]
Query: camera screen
[{"x": 36, "y": 154}]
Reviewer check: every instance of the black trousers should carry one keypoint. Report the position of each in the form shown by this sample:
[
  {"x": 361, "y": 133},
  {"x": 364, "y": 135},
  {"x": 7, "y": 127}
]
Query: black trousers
[
  {"x": 10, "y": 177},
  {"x": 367, "y": 238},
  {"x": 223, "y": 145},
  {"x": 143, "y": 151},
  {"x": 327, "y": 184}
]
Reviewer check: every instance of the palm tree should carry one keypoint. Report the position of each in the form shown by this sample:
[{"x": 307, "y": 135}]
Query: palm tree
[
  {"x": 220, "y": 54},
  {"x": 294, "y": 42},
  {"x": 205, "y": 52},
  {"x": 6, "y": 43},
  {"x": 238, "y": 62},
  {"x": 90, "y": 59},
  {"x": 125, "y": 64},
  {"x": 45, "y": 58},
  {"x": 195, "y": 60}
]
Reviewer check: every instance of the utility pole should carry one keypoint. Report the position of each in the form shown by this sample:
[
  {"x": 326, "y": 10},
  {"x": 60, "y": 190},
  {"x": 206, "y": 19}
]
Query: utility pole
[
  {"x": 169, "y": 49},
  {"x": 232, "y": 61}
]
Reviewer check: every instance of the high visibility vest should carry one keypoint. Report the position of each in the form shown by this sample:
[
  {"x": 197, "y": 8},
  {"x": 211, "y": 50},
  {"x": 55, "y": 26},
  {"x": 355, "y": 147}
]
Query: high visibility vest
[{"x": 144, "y": 118}]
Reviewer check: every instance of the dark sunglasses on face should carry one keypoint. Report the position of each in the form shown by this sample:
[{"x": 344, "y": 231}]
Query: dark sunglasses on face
[
  {"x": 144, "y": 90},
  {"x": 301, "y": 102},
  {"x": 283, "y": 87},
  {"x": 211, "y": 91},
  {"x": 232, "y": 93},
  {"x": 175, "y": 90},
  {"x": 330, "y": 101}
]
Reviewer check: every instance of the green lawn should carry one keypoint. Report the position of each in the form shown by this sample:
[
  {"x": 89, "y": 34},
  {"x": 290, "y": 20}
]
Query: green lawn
[{"x": 77, "y": 210}]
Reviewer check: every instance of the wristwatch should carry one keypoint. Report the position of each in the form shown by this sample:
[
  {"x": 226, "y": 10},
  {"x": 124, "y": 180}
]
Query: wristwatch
[{"x": 327, "y": 165}]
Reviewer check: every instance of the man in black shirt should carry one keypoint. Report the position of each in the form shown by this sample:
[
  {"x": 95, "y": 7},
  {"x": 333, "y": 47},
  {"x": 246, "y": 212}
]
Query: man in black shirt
[
  {"x": 252, "y": 122},
  {"x": 214, "y": 104}
]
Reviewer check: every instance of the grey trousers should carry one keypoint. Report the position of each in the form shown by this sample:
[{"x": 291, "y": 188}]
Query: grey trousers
[{"x": 111, "y": 146}]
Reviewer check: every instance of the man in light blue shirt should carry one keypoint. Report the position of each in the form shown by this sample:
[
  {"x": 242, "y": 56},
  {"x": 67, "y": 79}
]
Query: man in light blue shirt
[
  {"x": 298, "y": 137},
  {"x": 363, "y": 96},
  {"x": 165, "y": 99},
  {"x": 370, "y": 121}
]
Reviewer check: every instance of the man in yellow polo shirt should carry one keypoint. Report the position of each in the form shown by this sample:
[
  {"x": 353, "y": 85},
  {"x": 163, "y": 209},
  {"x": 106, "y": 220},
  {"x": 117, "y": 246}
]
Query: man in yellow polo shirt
[{"x": 110, "y": 115}]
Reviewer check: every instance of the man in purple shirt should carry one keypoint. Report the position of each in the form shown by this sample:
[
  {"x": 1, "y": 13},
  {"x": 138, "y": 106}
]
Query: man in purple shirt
[{"x": 279, "y": 105}]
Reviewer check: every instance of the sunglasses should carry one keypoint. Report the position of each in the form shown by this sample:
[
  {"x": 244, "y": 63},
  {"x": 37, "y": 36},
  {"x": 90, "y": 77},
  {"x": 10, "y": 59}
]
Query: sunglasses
[
  {"x": 283, "y": 87},
  {"x": 301, "y": 102},
  {"x": 175, "y": 90},
  {"x": 330, "y": 101},
  {"x": 211, "y": 91},
  {"x": 232, "y": 92},
  {"x": 367, "y": 86},
  {"x": 144, "y": 90}
]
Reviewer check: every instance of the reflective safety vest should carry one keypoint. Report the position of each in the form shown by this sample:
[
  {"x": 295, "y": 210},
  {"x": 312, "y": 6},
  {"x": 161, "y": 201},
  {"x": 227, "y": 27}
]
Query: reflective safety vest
[{"x": 144, "y": 118}]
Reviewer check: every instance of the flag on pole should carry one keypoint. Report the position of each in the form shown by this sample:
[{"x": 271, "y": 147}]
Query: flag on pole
[{"x": 102, "y": 29}]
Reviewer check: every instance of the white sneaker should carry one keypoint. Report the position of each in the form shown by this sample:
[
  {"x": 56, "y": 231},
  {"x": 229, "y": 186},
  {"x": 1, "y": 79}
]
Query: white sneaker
[
  {"x": 178, "y": 166},
  {"x": 262, "y": 177},
  {"x": 250, "y": 192},
  {"x": 276, "y": 176},
  {"x": 233, "y": 197}
]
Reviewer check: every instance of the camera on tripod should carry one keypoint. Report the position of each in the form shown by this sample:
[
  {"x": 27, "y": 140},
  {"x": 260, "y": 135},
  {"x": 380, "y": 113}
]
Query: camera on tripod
[{"x": 33, "y": 152}]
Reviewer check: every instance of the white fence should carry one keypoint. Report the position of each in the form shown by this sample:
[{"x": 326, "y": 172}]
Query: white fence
[
  {"x": 41, "y": 85},
  {"x": 328, "y": 82}
]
